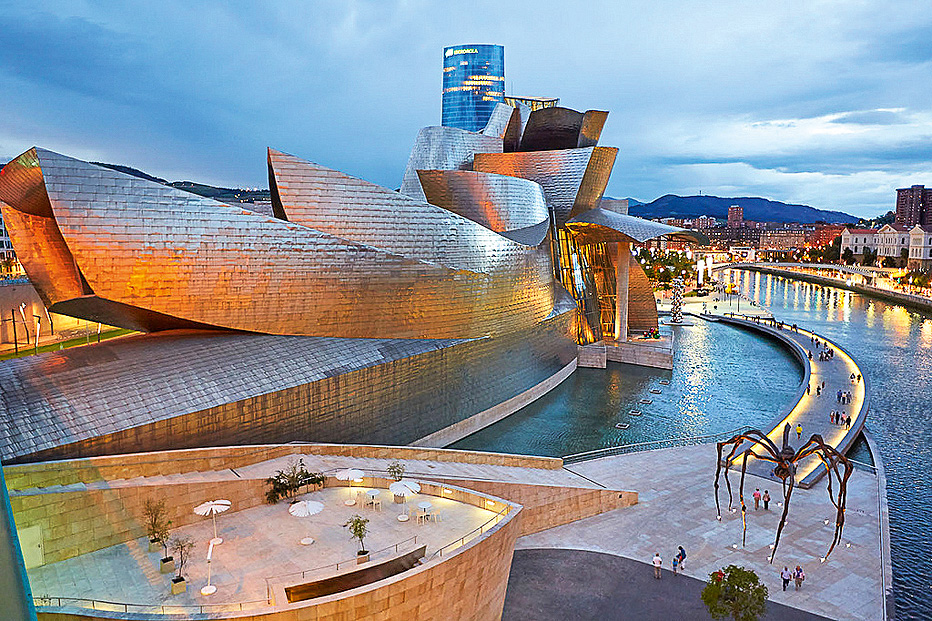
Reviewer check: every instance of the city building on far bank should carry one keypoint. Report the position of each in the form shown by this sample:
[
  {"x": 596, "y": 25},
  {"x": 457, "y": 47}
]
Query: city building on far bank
[
  {"x": 824, "y": 234},
  {"x": 735, "y": 216},
  {"x": 893, "y": 242},
  {"x": 473, "y": 83},
  {"x": 782, "y": 239},
  {"x": 913, "y": 205},
  {"x": 858, "y": 240},
  {"x": 920, "y": 247}
]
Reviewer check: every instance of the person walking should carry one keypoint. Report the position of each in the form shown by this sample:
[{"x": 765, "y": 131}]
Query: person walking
[
  {"x": 682, "y": 555},
  {"x": 658, "y": 563},
  {"x": 859, "y": 378},
  {"x": 810, "y": 355},
  {"x": 799, "y": 430},
  {"x": 676, "y": 563},
  {"x": 818, "y": 391},
  {"x": 838, "y": 396},
  {"x": 766, "y": 499},
  {"x": 786, "y": 575},
  {"x": 756, "y": 496},
  {"x": 823, "y": 384},
  {"x": 798, "y": 576},
  {"x": 848, "y": 422},
  {"x": 807, "y": 389}
]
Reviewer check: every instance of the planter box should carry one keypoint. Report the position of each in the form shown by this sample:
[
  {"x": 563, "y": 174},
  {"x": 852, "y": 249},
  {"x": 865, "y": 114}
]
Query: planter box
[
  {"x": 154, "y": 546},
  {"x": 362, "y": 558},
  {"x": 179, "y": 586},
  {"x": 168, "y": 565},
  {"x": 399, "y": 499}
]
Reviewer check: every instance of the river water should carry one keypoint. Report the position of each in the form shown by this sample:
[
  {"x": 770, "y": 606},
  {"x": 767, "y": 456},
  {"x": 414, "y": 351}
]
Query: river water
[{"x": 724, "y": 377}]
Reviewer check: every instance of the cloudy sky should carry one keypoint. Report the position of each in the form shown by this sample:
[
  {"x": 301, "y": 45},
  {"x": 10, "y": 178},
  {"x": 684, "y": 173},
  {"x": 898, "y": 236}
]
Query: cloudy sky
[{"x": 825, "y": 103}]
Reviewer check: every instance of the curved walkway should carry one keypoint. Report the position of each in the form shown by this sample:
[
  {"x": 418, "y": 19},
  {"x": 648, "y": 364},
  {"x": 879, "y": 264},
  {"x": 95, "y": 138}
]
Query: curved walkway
[
  {"x": 813, "y": 410},
  {"x": 555, "y": 584}
]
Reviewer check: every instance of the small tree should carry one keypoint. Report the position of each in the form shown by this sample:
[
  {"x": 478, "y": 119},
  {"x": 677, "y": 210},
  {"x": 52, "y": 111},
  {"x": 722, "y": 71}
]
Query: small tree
[
  {"x": 396, "y": 470},
  {"x": 158, "y": 526},
  {"x": 358, "y": 528},
  {"x": 182, "y": 547},
  {"x": 735, "y": 592}
]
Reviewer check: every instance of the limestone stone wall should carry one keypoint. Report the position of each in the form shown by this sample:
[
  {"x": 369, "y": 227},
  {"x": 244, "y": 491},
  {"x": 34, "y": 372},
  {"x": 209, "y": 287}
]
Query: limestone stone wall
[
  {"x": 547, "y": 506},
  {"x": 79, "y": 522},
  {"x": 88, "y": 470}
]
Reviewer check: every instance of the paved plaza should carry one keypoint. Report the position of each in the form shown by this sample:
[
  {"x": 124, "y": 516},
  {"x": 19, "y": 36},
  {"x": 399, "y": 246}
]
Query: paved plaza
[
  {"x": 259, "y": 543},
  {"x": 677, "y": 507}
]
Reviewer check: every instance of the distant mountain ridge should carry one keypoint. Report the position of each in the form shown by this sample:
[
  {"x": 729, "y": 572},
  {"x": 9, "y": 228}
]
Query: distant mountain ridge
[
  {"x": 225, "y": 195},
  {"x": 755, "y": 209}
]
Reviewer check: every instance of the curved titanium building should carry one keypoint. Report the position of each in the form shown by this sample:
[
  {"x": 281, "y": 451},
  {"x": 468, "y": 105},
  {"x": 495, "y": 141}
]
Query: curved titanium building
[{"x": 355, "y": 314}]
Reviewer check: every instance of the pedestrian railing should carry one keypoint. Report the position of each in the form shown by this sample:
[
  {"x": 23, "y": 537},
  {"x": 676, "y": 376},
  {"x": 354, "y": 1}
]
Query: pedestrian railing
[
  {"x": 476, "y": 532},
  {"x": 860, "y": 465},
  {"x": 332, "y": 567},
  {"x": 653, "y": 445},
  {"x": 149, "y": 609}
]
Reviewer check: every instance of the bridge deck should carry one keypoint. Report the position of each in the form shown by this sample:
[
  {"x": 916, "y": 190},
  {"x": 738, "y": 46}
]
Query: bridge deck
[{"x": 813, "y": 411}]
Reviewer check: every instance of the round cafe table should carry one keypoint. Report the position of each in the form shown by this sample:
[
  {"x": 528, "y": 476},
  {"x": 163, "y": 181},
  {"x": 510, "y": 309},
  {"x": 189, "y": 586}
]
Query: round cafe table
[
  {"x": 372, "y": 493},
  {"x": 425, "y": 505}
]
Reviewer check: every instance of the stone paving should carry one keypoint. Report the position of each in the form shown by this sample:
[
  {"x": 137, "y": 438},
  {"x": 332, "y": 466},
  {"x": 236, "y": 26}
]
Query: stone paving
[
  {"x": 259, "y": 543},
  {"x": 677, "y": 507}
]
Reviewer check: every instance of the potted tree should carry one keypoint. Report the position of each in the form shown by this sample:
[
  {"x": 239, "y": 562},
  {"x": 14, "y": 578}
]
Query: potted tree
[
  {"x": 156, "y": 523},
  {"x": 735, "y": 592},
  {"x": 182, "y": 548},
  {"x": 397, "y": 472},
  {"x": 162, "y": 533},
  {"x": 358, "y": 528}
]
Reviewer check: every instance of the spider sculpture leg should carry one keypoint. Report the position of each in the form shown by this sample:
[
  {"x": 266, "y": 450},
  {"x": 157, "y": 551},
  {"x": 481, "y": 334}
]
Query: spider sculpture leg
[
  {"x": 831, "y": 458},
  {"x": 754, "y": 437},
  {"x": 787, "y": 492}
]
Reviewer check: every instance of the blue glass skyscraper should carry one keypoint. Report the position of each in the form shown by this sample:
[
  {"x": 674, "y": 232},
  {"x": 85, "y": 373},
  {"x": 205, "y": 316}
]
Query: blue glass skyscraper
[{"x": 473, "y": 82}]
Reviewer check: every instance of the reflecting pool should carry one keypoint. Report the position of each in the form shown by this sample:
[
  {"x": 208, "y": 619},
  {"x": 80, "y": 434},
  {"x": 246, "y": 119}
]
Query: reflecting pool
[{"x": 718, "y": 383}]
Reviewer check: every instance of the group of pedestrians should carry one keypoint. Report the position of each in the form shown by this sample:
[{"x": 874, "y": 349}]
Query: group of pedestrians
[
  {"x": 679, "y": 562},
  {"x": 843, "y": 397},
  {"x": 797, "y": 575},
  {"x": 839, "y": 418},
  {"x": 758, "y": 498}
]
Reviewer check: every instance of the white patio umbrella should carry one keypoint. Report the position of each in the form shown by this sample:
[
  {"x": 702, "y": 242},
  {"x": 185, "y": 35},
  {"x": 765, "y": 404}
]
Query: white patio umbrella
[
  {"x": 212, "y": 508},
  {"x": 404, "y": 488},
  {"x": 350, "y": 474},
  {"x": 304, "y": 508}
]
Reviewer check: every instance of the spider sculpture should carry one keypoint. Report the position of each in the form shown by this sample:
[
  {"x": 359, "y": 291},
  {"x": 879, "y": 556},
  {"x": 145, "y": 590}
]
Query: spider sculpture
[{"x": 785, "y": 460}]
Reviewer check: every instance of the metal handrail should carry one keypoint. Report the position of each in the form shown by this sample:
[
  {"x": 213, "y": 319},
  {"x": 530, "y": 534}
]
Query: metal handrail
[
  {"x": 335, "y": 566},
  {"x": 477, "y": 531},
  {"x": 654, "y": 444},
  {"x": 165, "y": 609}
]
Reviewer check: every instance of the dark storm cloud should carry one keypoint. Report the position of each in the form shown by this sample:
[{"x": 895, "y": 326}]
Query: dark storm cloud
[{"x": 763, "y": 98}]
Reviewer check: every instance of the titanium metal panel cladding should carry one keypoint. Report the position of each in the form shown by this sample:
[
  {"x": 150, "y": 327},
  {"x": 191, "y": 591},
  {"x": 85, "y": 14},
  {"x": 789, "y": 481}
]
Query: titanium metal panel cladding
[
  {"x": 573, "y": 179},
  {"x": 498, "y": 202},
  {"x": 603, "y": 225},
  {"x": 356, "y": 210},
  {"x": 444, "y": 148},
  {"x": 555, "y": 128},
  {"x": 147, "y": 246}
]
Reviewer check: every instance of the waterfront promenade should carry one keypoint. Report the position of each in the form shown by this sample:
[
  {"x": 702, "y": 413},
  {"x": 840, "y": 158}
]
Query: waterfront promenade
[
  {"x": 812, "y": 411},
  {"x": 676, "y": 506}
]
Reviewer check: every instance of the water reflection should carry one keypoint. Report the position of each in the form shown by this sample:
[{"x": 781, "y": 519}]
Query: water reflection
[
  {"x": 892, "y": 345},
  {"x": 719, "y": 383}
]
